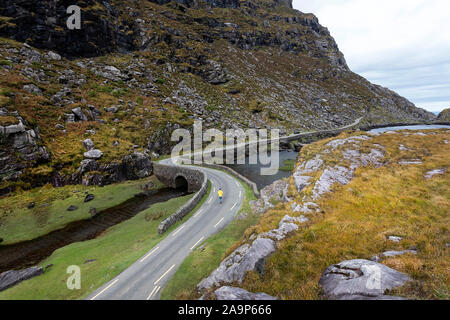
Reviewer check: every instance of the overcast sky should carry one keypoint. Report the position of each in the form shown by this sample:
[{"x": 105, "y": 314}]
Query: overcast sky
[{"x": 400, "y": 44}]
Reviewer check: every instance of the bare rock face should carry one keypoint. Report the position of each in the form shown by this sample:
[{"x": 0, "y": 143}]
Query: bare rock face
[
  {"x": 236, "y": 265},
  {"x": 251, "y": 257},
  {"x": 287, "y": 225},
  {"x": 269, "y": 194},
  {"x": 233, "y": 293},
  {"x": 20, "y": 148},
  {"x": 43, "y": 25},
  {"x": 10, "y": 278},
  {"x": 360, "y": 280},
  {"x": 329, "y": 177}
]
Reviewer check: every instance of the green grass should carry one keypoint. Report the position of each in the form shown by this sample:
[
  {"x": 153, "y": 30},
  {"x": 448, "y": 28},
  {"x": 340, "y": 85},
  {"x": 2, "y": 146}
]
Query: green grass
[
  {"x": 200, "y": 263},
  {"x": 288, "y": 165},
  {"x": 114, "y": 251},
  {"x": 50, "y": 212}
]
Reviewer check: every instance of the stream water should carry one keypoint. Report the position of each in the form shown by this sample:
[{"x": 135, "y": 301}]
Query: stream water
[
  {"x": 415, "y": 127},
  {"x": 253, "y": 171},
  {"x": 29, "y": 253}
]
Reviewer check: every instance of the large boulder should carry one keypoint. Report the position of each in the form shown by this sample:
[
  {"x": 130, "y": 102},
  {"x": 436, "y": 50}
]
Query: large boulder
[
  {"x": 233, "y": 293},
  {"x": 10, "y": 278},
  {"x": 360, "y": 279},
  {"x": 235, "y": 266}
]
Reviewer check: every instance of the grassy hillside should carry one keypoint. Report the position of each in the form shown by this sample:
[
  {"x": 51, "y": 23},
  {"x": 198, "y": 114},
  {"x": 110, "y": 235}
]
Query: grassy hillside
[{"x": 355, "y": 220}]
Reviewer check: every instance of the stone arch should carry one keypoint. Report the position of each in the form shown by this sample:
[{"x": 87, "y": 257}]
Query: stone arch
[{"x": 180, "y": 182}]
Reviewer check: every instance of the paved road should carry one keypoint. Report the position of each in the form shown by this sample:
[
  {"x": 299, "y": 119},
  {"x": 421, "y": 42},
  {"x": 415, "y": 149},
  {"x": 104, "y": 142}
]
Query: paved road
[{"x": 145, "y": 278}]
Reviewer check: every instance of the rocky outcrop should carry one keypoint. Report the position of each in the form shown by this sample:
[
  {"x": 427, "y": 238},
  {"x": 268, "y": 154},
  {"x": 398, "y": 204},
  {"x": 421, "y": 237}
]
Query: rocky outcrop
[
  {"x": 91, "y": 172},
  {"x": 236, "y": 265},
  {"x": 333, "y": 174},
  {"x": 444, "y": 116},
  {"x": 233, "y": 293},
  {"x": 269, "y": 196},
  {"x": 21, "y": 147},
  {"x": 360, "y": 280},
  {"x": 10, "y": 278},
  {"x": 250, "y": 257}
]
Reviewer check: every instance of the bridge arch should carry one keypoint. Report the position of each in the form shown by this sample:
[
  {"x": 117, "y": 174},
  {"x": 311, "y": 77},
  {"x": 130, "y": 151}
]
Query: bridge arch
[{"x": 179, "y": 177}]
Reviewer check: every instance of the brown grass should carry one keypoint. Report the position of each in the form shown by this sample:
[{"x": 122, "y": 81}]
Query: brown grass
[{"x": 357, "y": 218}]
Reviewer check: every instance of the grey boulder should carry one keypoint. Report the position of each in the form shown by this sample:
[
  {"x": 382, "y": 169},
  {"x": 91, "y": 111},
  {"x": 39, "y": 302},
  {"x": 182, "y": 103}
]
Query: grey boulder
[
  {"x": 32, "y": 88},
  {"x": 360, "y": 279},
  {"x": 88, "y": 144},
  {"x": 233, "y": 293},
  {"x": 93, "y": 154},
  {"x": 235, "y": 266},
  {"x": 79, "y": 115}
]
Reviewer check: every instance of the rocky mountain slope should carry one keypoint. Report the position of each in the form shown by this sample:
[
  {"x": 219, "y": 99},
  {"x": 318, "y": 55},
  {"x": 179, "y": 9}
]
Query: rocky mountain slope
[
  {"x": 444, "y": 116},
  {"x": 138, "y": 69}
]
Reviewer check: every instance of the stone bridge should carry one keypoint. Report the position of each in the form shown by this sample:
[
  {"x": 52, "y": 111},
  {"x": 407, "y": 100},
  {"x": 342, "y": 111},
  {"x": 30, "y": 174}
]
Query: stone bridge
[{"x": 179, "y": 176}]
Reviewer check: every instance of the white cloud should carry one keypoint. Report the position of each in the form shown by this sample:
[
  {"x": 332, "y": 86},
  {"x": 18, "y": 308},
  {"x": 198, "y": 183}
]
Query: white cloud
[{"x": 400, "y": 44}]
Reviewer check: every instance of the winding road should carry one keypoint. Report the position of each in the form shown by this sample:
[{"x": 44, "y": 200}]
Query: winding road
[{"x": 144, "y": 279}]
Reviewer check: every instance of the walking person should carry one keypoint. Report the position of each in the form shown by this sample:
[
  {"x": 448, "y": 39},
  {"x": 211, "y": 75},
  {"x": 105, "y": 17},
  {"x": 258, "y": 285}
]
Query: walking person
[{"x": 220, "y": 194}]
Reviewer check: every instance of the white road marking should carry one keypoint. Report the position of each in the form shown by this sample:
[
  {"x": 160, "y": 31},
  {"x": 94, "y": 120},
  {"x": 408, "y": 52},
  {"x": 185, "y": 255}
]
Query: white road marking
[
  {"x": 154, "y": 291},
  {"x": 197, "y": 243},
  {"x": 219, "y": 222},
  {"x": 178, "y": 230},
  {"x": 237, "y": 183},
  {"x": 210, "y": 199},
  {"x": 165, "y": 274},
  {"x": 110, "y": 285},
  {"x": 214, "y": 190},
  {"x": 198, "y": 212},
  {"x": 149, "y": 254},
  {"x": 240, "y": 194},
  {"x": 234, "y": 205}
]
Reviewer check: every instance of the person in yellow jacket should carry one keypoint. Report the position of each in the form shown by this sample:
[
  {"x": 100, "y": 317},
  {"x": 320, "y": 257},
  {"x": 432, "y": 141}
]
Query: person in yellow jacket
[{"x": 220, "y": 194}]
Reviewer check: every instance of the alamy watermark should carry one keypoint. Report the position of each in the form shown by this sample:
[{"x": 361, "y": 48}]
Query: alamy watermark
[
  {"x": 74, "y": 280},
  {"x": 74, "y": 21},
  {"x": 228, "y": 148}
]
